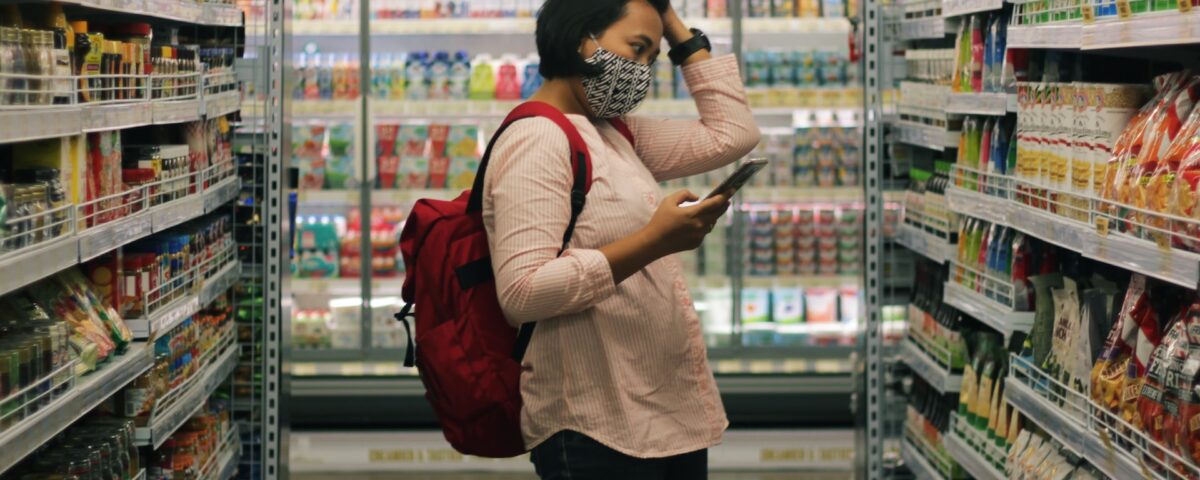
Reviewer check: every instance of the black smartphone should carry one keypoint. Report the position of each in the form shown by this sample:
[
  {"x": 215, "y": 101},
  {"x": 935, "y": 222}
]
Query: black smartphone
[{"x": 739, "y": 178}]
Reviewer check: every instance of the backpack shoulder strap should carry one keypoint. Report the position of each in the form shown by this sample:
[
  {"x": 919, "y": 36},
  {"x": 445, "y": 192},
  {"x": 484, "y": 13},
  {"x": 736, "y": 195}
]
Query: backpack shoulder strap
[
  {"x": 581, "y": 163},
  {"x": 623, "y": 127}
]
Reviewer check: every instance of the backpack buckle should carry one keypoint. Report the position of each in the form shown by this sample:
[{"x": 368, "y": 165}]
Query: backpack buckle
[
  {"x": 410, "y": 352},
  {"x": 578, "y": 199}
]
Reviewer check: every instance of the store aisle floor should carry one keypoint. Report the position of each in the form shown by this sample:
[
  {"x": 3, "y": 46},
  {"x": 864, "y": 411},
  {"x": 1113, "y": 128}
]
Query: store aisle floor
[{"x": 517, "y": 476}]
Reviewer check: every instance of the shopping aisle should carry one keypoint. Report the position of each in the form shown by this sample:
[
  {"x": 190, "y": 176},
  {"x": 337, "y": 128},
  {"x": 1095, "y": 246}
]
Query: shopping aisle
[{"x": 521, "y": 476}]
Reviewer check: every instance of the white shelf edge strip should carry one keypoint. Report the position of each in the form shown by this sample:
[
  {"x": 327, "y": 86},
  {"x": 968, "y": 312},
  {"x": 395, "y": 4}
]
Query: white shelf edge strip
[
  {"x": 54, "y": 256},
  {"x": 969, "y": 459},
  {"x": 34, "y": 431},
  {"x": 937, "y": 376},
  {"x": 20, "y": 125},
  {"x": 916, "y": 462}
]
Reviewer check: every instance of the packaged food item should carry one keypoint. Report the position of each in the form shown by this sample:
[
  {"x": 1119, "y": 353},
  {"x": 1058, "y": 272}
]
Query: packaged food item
[
  {"x": 1160, "y": 422},
  {"x": 1108, "y": 375},
  {"x": 387, "y": 159},
  {"x": 308, "y": 153},
  {"x": 340, "y": 171},
  {"x": 463, "y": 150},
  {"x": 414, "y": 162},
  {"x": 439, "y": 162},
  {"x": 1185, "y": 390}
]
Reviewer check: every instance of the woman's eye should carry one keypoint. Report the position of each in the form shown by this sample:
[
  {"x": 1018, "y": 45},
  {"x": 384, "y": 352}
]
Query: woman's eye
[{"x": 638, "y": 49}]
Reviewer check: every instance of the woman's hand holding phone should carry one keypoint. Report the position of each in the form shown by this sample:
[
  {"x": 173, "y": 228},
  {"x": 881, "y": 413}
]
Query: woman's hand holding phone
[{"x": 676, "y": 228}]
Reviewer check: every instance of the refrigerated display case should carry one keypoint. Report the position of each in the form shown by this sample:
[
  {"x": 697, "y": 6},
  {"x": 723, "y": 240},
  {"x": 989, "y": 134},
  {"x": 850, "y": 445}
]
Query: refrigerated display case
[{"x": 777, "y": 286}]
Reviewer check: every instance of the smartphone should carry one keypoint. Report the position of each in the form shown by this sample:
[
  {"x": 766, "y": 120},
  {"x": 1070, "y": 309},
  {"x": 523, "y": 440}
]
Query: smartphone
[{"x": 739, "y": 178}]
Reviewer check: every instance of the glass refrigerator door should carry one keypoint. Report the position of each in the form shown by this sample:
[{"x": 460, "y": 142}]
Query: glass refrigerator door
[{"x": 326, "y": 145}]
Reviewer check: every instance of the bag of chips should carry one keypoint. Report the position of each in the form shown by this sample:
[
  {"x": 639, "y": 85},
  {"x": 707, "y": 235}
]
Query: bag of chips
[
  {"x": 1160, "y": 421},
  {"x": 1108, "y": 375},
  {"x": 1185, "y": 388}
]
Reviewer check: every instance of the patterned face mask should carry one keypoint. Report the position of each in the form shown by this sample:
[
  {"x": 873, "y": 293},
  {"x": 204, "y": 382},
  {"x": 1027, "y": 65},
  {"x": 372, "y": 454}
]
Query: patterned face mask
[{"x": 619, "y": 88}]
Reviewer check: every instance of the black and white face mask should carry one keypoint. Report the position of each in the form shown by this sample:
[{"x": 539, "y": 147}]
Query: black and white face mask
[{"x": 619, "y": 88}]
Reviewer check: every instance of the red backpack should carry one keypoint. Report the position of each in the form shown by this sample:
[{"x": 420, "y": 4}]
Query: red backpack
[{"x": 468, "y": 356}]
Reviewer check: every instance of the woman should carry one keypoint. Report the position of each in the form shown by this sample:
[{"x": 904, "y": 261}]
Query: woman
[{"x": 615, "y": 381}]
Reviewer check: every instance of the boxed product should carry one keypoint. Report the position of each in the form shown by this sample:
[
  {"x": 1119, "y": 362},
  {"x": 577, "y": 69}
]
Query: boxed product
[{"x": 412, "y": 140}]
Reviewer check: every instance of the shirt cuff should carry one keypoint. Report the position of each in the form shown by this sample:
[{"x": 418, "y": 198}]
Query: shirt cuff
[
  {"x": 597, "y": 273},
  {"x": 715, "y": 69}
]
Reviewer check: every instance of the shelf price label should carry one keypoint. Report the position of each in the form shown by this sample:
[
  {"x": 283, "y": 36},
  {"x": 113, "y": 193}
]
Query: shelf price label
[
  {"x": 1102, "y": 226},
  {"x": 1185, "y": 6},
  {"x": 1124, "y": 11},
  {"x": 1089, "y": 14}
]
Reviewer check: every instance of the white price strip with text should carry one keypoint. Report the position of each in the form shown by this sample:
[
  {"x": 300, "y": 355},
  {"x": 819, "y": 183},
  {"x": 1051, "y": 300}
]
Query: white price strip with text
[
  {"x": 177, "y": 212},
  {"x": 30, "y": 265},
  {"x": 176, "y": 111},
  {"x": 25, "y": 125},
  {"x": 963, "y": 7},
  {"x": 221, "y": 193},
  {"x": 99, "y": 240},
  {"x": 929, "y": 27}
]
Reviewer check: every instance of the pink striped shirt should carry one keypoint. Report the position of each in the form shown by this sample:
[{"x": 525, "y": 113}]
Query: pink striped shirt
[{"x": 624, "y": 364}]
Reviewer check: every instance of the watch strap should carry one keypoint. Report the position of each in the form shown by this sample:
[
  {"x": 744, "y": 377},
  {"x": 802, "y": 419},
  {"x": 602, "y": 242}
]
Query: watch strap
[{"x": 683, "y": 51}]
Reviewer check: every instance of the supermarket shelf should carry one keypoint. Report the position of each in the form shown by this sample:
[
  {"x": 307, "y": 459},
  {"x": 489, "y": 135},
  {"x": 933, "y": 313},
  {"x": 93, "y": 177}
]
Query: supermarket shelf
[
  {"x": 37, "y": 429},
  {"x": 928, "y": 245},
  {"x": 971, "y": 460},
  {"x": 141, "y": 475},
  {"x": 923, "y": 28},
  {"x": 773, "y": 102},
  {"x": 996, "y": 316},
  {"x": 979, "y": 103},
  {"x": 952, "y": 8},
  {"x": 1144, "y": 30},
  {"x": 38, "y": 124},
  {"x": 526, "y": 26},
  {"x": 37, "y": 263},
  {"x": 178, "y": 310},
  {"x": 20, "y": 125},
  {"x": 223, "y": 464},
  {"x": 99, "y": 240},
  {"x": 344, "y": 286},
  {"x": 800, "y": 194},
  {"x": 928, "y": 136},
  {"x": 192, "y": 399},
  {"x": 1113, "y": 463},
  {"x": 917, "y": 462},
  {"x": 936, "y": 375},
  {"x": 1059, "y": 36},
  {"x": 179, "y": 10},
  {"x": 978, "y": 205},
  {"x": 805, "y": 281}
]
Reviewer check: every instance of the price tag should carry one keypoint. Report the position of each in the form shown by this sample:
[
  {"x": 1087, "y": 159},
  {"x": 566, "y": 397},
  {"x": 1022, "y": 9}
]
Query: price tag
[
  {"x": 1102, "y": 226},
  {"x": 729, "y": 366},
  {"x": 795, "y": 365},
  {"x": 1123, "y": 9},
  {"x": 353, "y": 369},
  {"x": 1185, "y": 5},
  {"x": 304, "y": 369},
  {"x": 762, "y": 366},
  {"x": 1163, "y": 240},
  {"x": 1089, "y": 13}
]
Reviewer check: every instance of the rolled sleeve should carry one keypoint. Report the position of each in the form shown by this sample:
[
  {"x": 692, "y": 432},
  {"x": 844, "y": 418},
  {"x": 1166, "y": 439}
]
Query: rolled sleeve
[{"x": 598, "y": 276}]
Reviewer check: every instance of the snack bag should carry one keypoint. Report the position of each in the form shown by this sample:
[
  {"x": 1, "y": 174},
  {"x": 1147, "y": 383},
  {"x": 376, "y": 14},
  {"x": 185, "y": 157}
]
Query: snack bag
[
  {"x": 414, "y": 162},
  {"x": 1108, "y": 373},
  {"x": 1123, "y": 168},
  {"x": 1155, "y": 396},
  {"x": 1186, "y": 395},
  {"x": 1149, "y": 336},
  {"x": 1152, "y": 158},
  {"x": 439, "y": 162},
  {"x": 339, "y": 167},
  {"x": 308, "y": 153},
  {"x": 462, "y": 148},
  {"x": 387, "y": 159}
]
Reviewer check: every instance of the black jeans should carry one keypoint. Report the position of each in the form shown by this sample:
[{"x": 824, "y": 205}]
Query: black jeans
[{"x": 574, "y": 456}]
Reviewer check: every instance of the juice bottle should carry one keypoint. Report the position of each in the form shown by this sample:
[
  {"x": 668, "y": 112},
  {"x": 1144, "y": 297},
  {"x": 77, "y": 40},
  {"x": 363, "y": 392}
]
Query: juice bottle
[
  {"x": 533, "y": 79},
  {"x": 439, "y": 76},
  {"x": 977, "y": 48},
  {"x": 460, "y": 76},
  {"x": 508, "y": 86},
  {"x": 483, "y": 79},
  {"x": 396, "y": 68},
  {"x": 416, "y": 82}
]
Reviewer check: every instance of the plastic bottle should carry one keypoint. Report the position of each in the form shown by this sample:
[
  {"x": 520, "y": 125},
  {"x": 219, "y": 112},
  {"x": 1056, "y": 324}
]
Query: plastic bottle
[
  {"x": 396, "y": 67},
  {"x": 460, "y": 76},
  {"x": 533, "y": 79},
  {"x": 381, "y": 81},
  {"x": 508, "y": 86},
  {"x": 324, "y": 69},
  {"x": 977, "y": 49},
  {"x": 962, "y": 55},
  {"x": 416, "y": 82},
  {"x": 483, "y": 79},
  {"x": 439, "y": 76}
]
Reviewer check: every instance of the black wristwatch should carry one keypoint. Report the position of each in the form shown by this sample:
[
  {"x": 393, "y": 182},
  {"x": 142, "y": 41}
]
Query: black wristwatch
[{"x": 684, "y": 50}]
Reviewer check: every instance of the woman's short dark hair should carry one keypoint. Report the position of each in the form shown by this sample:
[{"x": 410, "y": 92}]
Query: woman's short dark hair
[{"x": 562, "y": 24}]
